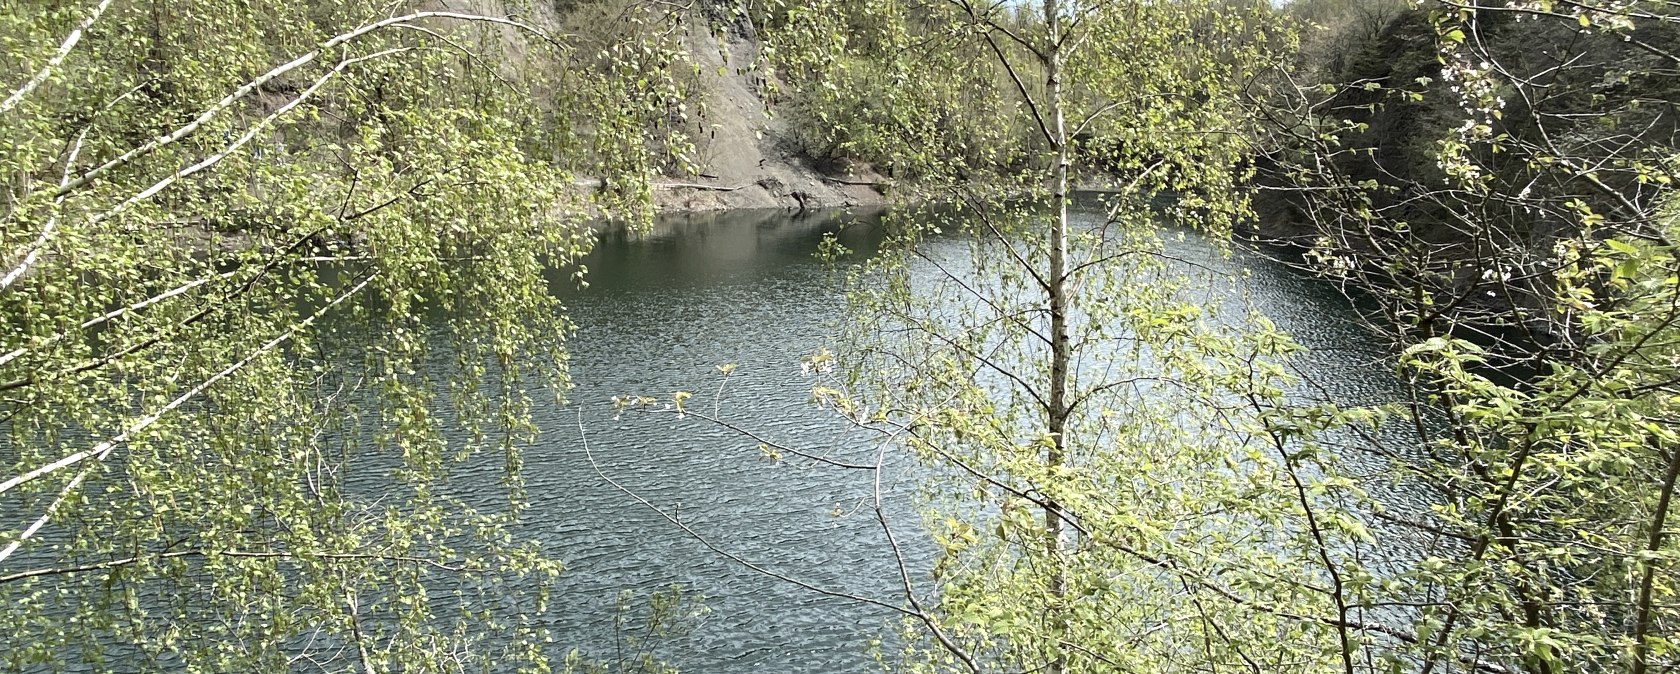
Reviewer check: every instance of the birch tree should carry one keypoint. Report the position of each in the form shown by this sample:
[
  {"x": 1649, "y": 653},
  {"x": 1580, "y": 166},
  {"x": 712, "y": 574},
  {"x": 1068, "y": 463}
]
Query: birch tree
[
  {"x": 270, "y": 274},
  {"x": 1125, "y": 489}
]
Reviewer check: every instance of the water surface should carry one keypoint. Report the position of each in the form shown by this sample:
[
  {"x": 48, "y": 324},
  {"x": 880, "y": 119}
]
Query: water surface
[{"x": 662, "y": 312}]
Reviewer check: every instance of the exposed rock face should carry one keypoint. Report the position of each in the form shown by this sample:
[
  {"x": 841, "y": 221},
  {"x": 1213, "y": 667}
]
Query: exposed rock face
[{"x": 742, "y": 157}]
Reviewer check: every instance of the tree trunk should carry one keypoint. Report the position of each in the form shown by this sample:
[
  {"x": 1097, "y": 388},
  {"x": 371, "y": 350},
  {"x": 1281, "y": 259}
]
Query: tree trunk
[
  {"x": 1060, "y": 344},
  {"x": 1642, "y": 621}
]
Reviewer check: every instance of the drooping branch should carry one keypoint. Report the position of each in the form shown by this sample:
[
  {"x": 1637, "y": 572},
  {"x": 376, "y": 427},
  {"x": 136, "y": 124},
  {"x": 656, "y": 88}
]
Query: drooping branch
[
  {"x": 100, "y": 451},
  {"x": 247, "y": 554},
  {"x": 253, "y": 85},
  {"x": 35, "y": 249},
  {"x": 984, "y": 17},
  {"x": 697, "y": 536},
  {"x": 57, "y": 59},
  {"x": 922, "y": 614},
  {"x": 118, "y": 313},
  {"x": 1026, "y": 95},
  {"x": 243, "y": 139},
  {"x": 47, "y": 515}
]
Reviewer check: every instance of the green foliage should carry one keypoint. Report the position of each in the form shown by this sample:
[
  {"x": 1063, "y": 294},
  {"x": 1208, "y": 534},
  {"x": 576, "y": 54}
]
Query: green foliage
[
  {"x": 1130, "y": 489},
  {"x": 209, "y": 208},
  {"x": 670, "y": 613},
  {"x": 865, "y": 86},
  {"x": 1125, "y": 488},
  {"x": 629, "y": 89},
  {"x": 1187, "y": 543},
  {"x": 1497, "y": 181},
  {"x": 210, "y": 204}
]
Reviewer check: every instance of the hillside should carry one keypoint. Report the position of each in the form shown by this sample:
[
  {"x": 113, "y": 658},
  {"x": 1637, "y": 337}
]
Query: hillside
[
  {"x": 744, "y": 157},
  {"x": 1476, "y": 163}
]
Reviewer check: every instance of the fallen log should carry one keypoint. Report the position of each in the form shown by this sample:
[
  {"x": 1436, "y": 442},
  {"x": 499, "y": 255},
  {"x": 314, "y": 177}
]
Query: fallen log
[{"x": 698, "y": 186}]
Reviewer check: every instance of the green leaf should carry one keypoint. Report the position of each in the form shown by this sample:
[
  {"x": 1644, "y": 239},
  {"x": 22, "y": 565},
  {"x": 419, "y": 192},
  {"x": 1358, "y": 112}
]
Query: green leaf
[{"x": 1622, "y": 247}]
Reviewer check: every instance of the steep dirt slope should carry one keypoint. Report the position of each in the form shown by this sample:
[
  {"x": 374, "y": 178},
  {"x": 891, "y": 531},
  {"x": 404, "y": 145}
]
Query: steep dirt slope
[{"x": 743, "y": 160}]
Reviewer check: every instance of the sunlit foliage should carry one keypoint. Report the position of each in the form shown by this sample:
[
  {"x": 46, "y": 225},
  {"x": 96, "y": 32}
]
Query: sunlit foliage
[{"x": 272, "y": 273}]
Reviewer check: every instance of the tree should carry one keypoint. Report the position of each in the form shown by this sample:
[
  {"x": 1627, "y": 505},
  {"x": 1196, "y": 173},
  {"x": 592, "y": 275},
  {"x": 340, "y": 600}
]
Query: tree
[
  {"x": 1246, "y": 542},
  {"x": 224, "y": 225},
  {"x": 1126, "y": 488},
  {"x": 1496, "y": 181}
]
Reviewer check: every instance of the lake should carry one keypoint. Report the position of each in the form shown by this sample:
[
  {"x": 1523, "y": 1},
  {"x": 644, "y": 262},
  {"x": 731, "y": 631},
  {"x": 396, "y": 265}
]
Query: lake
[{"x": 662, "y": 311}]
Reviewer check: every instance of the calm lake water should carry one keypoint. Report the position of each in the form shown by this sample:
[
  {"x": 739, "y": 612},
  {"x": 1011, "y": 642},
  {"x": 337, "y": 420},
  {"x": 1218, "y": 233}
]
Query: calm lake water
[{"x": 661, "y": 313}]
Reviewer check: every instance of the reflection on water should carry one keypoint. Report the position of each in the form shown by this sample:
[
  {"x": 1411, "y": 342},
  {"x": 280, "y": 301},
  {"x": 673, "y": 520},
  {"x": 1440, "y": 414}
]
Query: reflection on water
[{"x": 662, "y": 312}]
